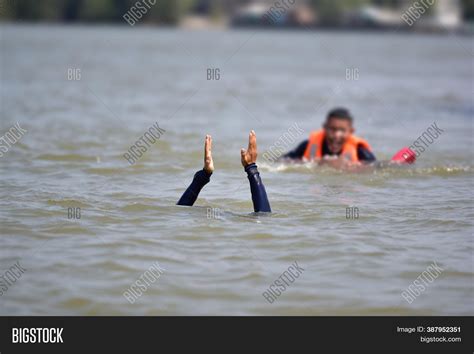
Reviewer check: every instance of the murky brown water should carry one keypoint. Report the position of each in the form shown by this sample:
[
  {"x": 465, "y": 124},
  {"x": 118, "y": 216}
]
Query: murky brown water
[{"x": 71, "y": 156}]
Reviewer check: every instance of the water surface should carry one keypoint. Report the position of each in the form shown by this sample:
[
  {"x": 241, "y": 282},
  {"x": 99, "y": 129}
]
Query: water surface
[{"x": 134, "y": 77}]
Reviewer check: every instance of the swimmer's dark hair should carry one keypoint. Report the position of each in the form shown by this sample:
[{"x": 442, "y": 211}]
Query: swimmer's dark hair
[{"x": 340, "y": 113}]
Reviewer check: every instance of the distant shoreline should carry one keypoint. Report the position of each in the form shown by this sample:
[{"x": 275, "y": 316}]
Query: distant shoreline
[{"x": 393, "y": 30}]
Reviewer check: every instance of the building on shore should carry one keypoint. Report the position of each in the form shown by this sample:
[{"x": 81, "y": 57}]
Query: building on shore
[
  {"x": 275, "y": 14},
  {"x": 421, "y": 15}
]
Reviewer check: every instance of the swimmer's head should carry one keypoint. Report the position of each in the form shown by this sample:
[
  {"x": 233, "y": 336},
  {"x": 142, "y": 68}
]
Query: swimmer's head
[{"x": 338, "y": 128}]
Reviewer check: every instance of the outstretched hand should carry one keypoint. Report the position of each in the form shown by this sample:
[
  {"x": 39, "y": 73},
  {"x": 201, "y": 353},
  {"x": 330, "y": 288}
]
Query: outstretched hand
[
  {"x": 208, "y": 163},
  {"x": 249, "y": 156}
]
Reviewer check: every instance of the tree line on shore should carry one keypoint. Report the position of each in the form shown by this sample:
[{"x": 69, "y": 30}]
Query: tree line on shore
[{"x": 167, "y": 12}]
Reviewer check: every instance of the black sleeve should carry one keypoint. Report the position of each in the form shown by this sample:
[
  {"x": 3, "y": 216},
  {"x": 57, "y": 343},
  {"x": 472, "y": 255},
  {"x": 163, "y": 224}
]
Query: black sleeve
[
  {"x": 298, "y": 152},
  {"x": 259, "y": 195},
  {"x": 365, "y": 155},
  {"x": 201, "y": 178}
]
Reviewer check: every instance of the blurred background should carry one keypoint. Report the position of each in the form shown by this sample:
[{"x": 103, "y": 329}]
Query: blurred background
[{"x": 438, "y": 15}]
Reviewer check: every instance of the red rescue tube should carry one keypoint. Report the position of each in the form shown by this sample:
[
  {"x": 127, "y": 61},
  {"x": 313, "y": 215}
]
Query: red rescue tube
[{"x": 404, "y": 156}]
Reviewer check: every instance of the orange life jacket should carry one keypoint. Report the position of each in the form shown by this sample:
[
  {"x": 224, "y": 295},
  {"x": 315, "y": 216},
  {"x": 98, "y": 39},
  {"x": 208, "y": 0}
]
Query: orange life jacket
[{"x": 314, "y": 149}]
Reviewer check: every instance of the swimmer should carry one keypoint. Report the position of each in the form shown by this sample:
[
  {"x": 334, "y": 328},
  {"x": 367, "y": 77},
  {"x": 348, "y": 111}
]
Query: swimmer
[{"x": 334, "y": 145}]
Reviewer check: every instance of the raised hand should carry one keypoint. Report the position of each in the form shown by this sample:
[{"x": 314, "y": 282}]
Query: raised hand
[
  {"x": 249, "y": 156},
  {"x": 208, "y": 163}
]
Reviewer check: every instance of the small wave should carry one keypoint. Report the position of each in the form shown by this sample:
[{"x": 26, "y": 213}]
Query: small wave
[
  {"x": 68, "y": 230},
  {"x": 105, "y": 171},
  {"x": 66, "y": 157},
  {"x": 444, "y": 170},
  {"x": 69, "y": 203},
  {"x": 384, "y": 170},
  {"x": 137, "y": 207},
  {"x": 282, "y": 167},
  {"x": 75, "y": 303}
]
